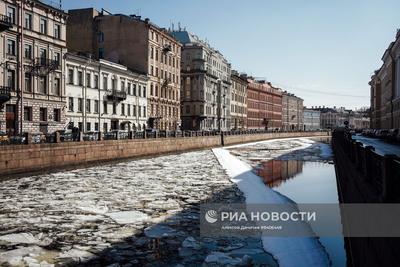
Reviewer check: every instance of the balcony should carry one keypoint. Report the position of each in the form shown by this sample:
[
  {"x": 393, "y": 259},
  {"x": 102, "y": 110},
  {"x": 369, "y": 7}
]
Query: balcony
[
  {"x": 43, "y": 66},
  {"x": 116, "y": 95},
  {"x": 166, "y": 83},
  {"x": 5, "y": 94},
  {"x": 167, "y": 48},
  {"x": 5, "y": 23}
]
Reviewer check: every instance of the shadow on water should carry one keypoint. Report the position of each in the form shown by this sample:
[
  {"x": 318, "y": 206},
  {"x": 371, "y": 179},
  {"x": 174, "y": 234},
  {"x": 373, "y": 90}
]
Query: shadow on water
[{"x": 161, "y": 244}]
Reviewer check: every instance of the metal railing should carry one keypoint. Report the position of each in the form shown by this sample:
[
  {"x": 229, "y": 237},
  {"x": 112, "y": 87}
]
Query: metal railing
[
  {"x": 68, "y": 136},
  {"x": 381, "y": 172},
  {"x": 5, "y": 21}
]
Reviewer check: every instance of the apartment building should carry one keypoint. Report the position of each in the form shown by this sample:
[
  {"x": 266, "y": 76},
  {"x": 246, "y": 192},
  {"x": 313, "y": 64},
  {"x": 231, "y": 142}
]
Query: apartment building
[
  {"x": 238, "y": 101},
  {"x": 292, "y": 112},
  {"x": 140, "y": 45},
  {"x": 103, "y": 96},
  {"x": 32, "y": 93},
  {"x": 264, "y": 105},
  {"x": 385, "y": 89},
  {"x": 206, "y": 85},
  {"x": 311, "y": 119}
]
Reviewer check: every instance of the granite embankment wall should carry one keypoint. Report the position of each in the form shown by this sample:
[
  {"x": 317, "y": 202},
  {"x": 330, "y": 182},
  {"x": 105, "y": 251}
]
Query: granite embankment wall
[{"x": 19, "y": 159}]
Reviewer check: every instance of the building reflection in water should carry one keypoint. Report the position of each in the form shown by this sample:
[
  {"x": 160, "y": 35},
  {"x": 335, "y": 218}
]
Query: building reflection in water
[{"x": 276, "y": 172}]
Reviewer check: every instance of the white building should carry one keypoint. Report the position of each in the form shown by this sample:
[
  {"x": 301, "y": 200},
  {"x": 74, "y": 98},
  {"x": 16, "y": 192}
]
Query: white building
[
  {"x": 104, "y": 96},
  {"x": 311, "y": 119}
]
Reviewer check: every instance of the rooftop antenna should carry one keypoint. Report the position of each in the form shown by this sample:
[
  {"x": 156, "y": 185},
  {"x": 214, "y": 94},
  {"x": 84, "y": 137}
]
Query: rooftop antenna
[{"x": 179, "y": 26}]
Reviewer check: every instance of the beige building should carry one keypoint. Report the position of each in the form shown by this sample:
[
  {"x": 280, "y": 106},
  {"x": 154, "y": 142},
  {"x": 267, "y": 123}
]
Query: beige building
[
  {"x": 141, "y": 46},
  {"x": 206, "y": 84},
  {"x": 238, "y": 101},
  {"x": 32, "y": 98},
  {"x": 385, "y": 89},
  {"x": 292, "y": 112}
]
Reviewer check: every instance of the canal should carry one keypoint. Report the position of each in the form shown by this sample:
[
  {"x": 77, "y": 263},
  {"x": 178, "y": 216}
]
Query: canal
[{"x": 302, "y": 171}]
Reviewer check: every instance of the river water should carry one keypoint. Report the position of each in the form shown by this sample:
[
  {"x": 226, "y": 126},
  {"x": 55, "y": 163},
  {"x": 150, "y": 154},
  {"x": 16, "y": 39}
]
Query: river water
[{"x": 305, "y": 175}]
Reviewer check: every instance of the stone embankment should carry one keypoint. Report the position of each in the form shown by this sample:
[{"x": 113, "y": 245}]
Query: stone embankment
[{"x": 17, "y": 159}]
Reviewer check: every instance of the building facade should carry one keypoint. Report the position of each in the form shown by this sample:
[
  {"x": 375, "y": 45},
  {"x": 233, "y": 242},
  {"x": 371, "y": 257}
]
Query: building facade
[
  {"x": 238, "y": 101},
  {"x": 32, "y": 96},
  {"x": 292, "y": 112},
  {"x": 141, "y": 46},
  {"x": 264, "y": 105},
  {"x": 385, "y": 89},
  {"x": 311, "y": 119},
  {"x": 205, "y": 85},
  {"x": 103, "y": 96}
]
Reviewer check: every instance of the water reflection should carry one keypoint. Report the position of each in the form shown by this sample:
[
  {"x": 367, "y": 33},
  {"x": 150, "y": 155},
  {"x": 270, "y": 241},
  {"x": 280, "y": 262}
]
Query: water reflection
[
  {"x": 306, "y": 182},
  {"x": 276, "y": 172}
]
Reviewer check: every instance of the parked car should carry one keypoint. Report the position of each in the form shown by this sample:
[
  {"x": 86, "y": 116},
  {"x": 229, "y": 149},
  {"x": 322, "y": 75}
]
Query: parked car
[
  {"x": 91, "y": 136},
  {"x": 4, "y": 138}
]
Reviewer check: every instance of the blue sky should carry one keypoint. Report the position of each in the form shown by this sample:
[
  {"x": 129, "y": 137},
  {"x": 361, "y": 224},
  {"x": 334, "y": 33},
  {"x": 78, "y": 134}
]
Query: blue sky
[{"x": 323, "y": 51}]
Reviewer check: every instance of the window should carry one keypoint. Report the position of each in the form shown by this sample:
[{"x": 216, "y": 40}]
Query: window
[
  {"x": 105, "y": 107},
  {"x": 10, "y": 47},
  {"x": 88, "y": 83},
  {"x": 134, "y": 89},
  {"x": 43, "y": 53},
  {"x": 105, "y": 82},
  {"x": 28, "y": 82},
  {"x": 56, "y": 115},
  {"x": 114, "y": 83},
  {"x": 157, "y": 55},
  {"x": 28, "y": 21},
  {"x": 152, "y": 53},
  {"x": 96, "y": 81},
  {"x": 187, "y": 109},
  {"x": 123, "y": 109},
  {"x": 80, "y": 105},
  {"x": 11, "y": 79},
  {"x": 28, "y": 51},
  {"x": 129, "y": 88},
  {"x": 71, "y": 104},
  {"x": 43, "y": 25},
  {"x": 80, "y": 126},
  {"x": 144, "y": 91},
  {"x": 96, "y": 126},
  {"x": 57, "y": 58},
  {"x": 140, "y": 111},
  {"x": 101, "y": 53},
  {"x": 105, "y": 127},
  {"x": 134, "y": 110},
  {"x": 28, "y": 113},
  {"x": 140, "y": 90},
  {"x": 11, "y": 14},
  {"x": 57, "y": 31},
  {"x": 100, "y": 37},
  {"x": 43, "y": 114},
  {"x": 43, "y": 85},
  {"x": 88, "y": 108},
  {"x": 144, "y": 111},
  {"x": 122, "y": 85},
  {"x": 129, "y": 110},
  {"x": 70, "y": 76},
  {"x": 151, "y": 89},
  {"x": 114, "y": 108},
  {"x": 96, "y": 106},
  {"x": 57, "y": 86},
  {"x": 80, "y": 78},
  {"x": 88, "y": 126}
]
